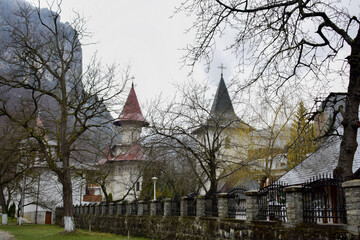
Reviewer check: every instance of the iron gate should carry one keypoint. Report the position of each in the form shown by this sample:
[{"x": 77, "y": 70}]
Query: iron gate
[{"x": 272, "y": 202}]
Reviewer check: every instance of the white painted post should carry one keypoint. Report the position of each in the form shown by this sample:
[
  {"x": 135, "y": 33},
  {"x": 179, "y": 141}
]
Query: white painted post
[{"x": 154, "y": 180}]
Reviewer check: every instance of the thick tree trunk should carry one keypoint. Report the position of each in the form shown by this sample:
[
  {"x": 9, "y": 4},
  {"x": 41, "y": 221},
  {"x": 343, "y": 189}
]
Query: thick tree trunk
[
  {"x": 213, "y": 182},
  {"x": 4, "y": 206},
  {"x": 351, "y": 119},
  {"x": 69, "y": 225}
]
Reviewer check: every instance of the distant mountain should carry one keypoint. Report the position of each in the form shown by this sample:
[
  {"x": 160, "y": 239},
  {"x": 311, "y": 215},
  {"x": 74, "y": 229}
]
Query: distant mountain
[{"x": 20, "y": 101}]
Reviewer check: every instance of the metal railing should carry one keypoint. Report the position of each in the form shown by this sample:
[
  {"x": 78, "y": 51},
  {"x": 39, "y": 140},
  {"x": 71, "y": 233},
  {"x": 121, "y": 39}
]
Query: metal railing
[
  {"x": 272, "y": 202},
  {"x": 191, "y": 204},
  {"x": 211, "y": 208},
  {"x": 324, "y": 200},
  {"x": 237, "y": 203},
  {"x": 175, "y": 206}
]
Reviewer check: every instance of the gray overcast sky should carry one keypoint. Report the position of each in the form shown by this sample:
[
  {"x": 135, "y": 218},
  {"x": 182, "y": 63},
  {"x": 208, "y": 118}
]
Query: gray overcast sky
[{"x": 143, "y": 34}]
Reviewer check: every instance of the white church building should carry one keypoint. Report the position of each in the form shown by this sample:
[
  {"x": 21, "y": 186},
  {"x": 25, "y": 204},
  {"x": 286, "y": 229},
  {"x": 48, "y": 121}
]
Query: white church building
[{"x": 125, "y": 159}]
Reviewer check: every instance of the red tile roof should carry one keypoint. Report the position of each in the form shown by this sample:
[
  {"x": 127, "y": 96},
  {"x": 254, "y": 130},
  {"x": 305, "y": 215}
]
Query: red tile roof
[
  {"x": 133, "y": 153},
  {"x": 131, "y": 112}
]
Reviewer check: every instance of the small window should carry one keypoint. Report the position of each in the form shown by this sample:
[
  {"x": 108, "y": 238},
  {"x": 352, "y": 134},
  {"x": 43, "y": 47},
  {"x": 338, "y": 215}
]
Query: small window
[{"x": 137, "y": 186}]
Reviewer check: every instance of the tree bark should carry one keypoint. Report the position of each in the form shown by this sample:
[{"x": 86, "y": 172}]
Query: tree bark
[
  {"x": 4, "y": 207},
  {"x": 351, "y": 119},
  {"x": 69, "y": 225},
  {"x": 213, "y": 181}
]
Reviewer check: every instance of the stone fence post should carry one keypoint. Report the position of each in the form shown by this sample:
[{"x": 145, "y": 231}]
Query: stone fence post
[
  {"x": 118, "y": 208},
  {"x": 140, "y": 208},
  {"x": 251, "y": 205},
  {"x": 222, "y": 205},
  {"x": 167, "y": 207},
  {"x": 153, "y": 207},
  {"x": 97, "y": 209},
  {"x": 200, "y": 206},
  {"x": 128, "y": 208},
  {"x": 352, "y": 198},
  {"x": 294, "y": 206},
  {"x": 183, "y": 206},
  {"x": 111, "y": 208},
  {"x": 103, "y": 208}
]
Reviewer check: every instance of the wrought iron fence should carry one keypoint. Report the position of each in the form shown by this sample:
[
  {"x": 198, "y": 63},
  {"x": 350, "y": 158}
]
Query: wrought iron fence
[
  {"x": 272, "y": 202},
  {"x": 159, "y": 207},
  {"x": 106, "y": 209},
  {"x": 324, "y": 200},
  {"x": 93, "y": 208},
  {"x": 123, "y": 207},
  {"x": 87, "y": 208},
  {"x": 191, "y": 204},
  {"x": 133, "y": 208},
  {"x": 237, "y": 203},
  {"x": 175, "y": 206},
  {"x": 115, "y": 206},
  {"x": 76, "y": 209},
  {"x": 100, "y": 208},
  {"x": 146, "y": 208}
]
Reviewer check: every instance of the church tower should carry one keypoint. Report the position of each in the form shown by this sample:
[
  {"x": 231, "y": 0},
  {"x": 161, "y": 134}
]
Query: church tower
[
  {"x": 222, "y": 106},
  {"x": 131, "y": 120},
  {"x": 125, "y": 160}
]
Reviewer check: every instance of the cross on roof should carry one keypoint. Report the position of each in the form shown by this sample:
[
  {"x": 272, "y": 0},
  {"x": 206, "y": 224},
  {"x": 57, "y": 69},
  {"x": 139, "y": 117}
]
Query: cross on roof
[
  {"x": 132, "y": 80},
  {"x": 222, "y": 68}
]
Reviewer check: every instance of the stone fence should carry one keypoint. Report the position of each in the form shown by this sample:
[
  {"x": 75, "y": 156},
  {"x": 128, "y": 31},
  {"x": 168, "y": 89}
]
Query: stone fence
[{"x": 168, "y": 220}]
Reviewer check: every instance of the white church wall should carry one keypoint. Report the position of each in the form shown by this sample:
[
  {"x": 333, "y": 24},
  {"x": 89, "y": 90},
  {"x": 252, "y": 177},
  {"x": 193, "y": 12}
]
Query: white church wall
[{"x": 124, "y": 178}]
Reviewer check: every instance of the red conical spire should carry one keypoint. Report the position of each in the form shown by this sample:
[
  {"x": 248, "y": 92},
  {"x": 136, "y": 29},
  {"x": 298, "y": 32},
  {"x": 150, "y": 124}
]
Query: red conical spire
[{"x": 131, "y": 112}]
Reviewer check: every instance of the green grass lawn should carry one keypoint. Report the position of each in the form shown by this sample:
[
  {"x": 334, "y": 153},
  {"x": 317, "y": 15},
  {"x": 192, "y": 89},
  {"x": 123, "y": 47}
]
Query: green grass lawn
[{"x": 54, "y": 232}]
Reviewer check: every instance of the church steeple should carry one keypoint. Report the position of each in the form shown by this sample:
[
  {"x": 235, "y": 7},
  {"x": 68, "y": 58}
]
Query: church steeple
[
  {"x": 222, "y": 105},
  {"x": 131, "y": 113},
  {"x": 131, "y": 120}
]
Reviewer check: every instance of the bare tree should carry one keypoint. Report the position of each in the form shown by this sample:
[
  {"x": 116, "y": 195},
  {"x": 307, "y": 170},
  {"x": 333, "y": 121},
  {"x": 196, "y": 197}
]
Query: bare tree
[
  {"x": 270, "y": 141},
  {"x": 15, "y": 160},
  {"x": 288, "y": 41},
  {"x": 174, "y": 172},
  {"x": 208, "y": 139},
  {"x": 43, "y": 56}
]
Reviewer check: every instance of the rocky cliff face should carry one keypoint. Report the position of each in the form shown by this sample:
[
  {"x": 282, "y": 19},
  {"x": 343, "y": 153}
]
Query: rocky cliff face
[{"x": 30, "y": 101}]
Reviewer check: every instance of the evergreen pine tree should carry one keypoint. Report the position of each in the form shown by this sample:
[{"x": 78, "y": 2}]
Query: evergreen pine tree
[{"x": 302, "y": 135}]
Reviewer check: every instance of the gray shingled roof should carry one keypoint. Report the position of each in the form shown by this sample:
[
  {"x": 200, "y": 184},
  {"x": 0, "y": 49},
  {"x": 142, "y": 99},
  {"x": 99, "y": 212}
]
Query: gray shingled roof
[
  {"x": 325, "y": 159},
  {"x": 322, "y": 161},
  {"x": 222, "y": 103}
]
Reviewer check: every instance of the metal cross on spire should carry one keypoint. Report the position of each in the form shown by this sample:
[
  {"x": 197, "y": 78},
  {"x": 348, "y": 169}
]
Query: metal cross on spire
[
  {"x": 132, "y": 80},
  {"x": 222, "y": 68}
]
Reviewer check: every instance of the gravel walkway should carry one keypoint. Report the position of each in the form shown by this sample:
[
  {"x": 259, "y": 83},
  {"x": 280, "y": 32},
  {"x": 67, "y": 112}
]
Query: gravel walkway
[{"x": 6, "y": 236}]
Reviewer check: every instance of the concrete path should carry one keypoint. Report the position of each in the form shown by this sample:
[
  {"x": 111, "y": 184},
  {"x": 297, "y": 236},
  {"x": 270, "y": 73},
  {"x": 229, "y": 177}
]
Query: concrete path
[{"x": 6, "y": 236}]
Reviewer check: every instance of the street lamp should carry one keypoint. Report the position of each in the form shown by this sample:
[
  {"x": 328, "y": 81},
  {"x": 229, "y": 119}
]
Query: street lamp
[{"x": 154, "y": 180}]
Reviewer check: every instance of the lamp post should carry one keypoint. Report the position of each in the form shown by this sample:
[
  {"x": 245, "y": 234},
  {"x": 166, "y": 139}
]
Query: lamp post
[{"x": 154, "y": 180}]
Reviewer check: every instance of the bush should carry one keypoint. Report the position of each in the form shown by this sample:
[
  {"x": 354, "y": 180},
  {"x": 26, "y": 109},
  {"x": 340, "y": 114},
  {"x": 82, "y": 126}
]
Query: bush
[{"x": 11, "y": 211}]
